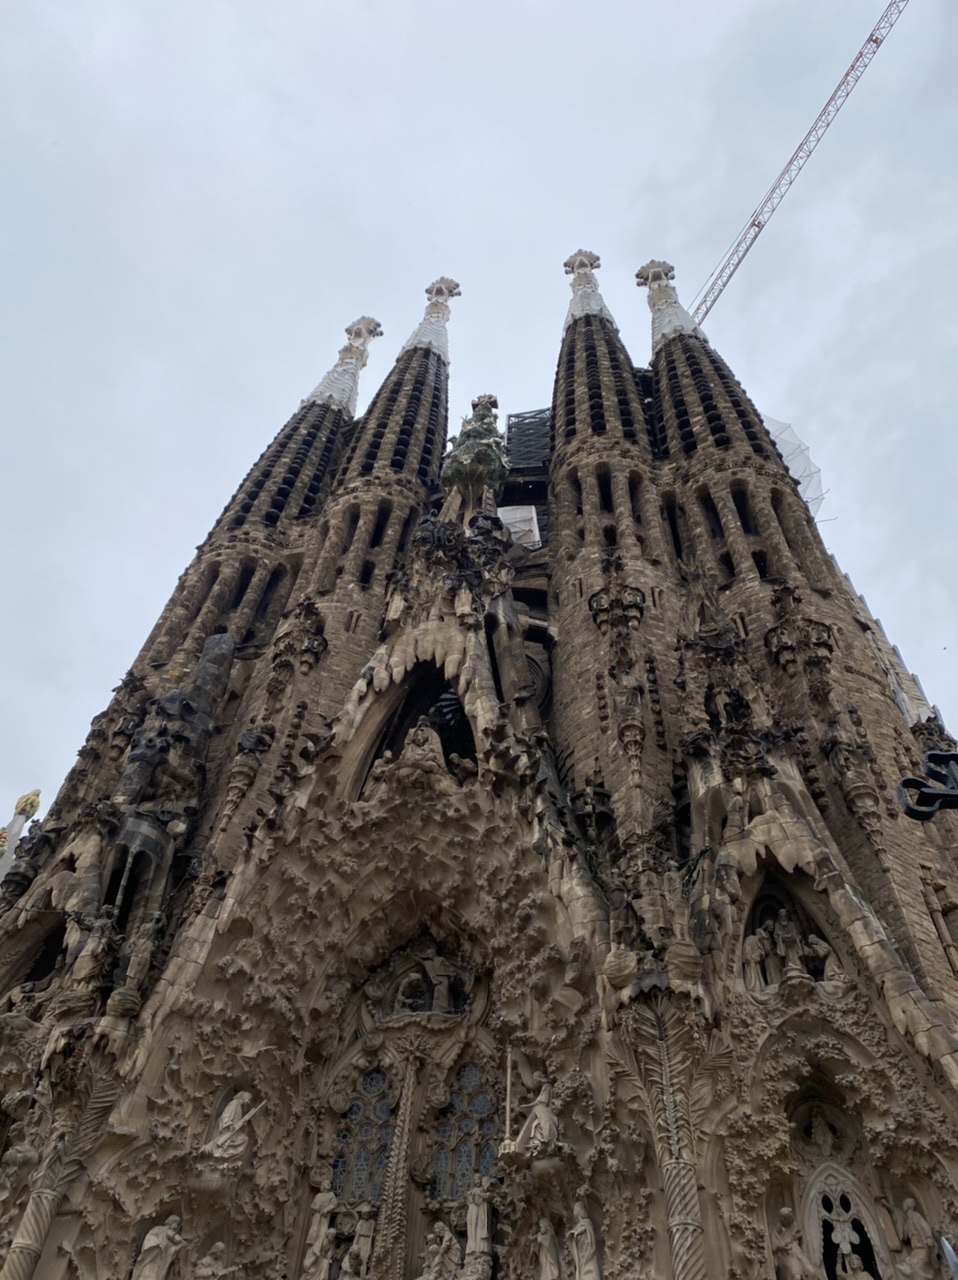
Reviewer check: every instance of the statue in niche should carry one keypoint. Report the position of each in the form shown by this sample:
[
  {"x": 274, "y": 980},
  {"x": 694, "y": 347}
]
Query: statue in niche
[
  {"x": 320, "y": 1255},
  {"x": 755, "y": 952},
  {"x": 321, "y": 1210},
  {"x": 230, "y": 1139},
  {"x": 350, "y": 1266},
  {"x": 422, "y": 751},
  {"x": 434, "y": 986},
  {"x": 540, "y": 1131},
  {"x": 549, "y": 1268},
  {"x": 622, "y": 918},
  {"x": 141, "y": 950},
  {"x": 791, "y": 1261},
  {"x": 365, "y": 1232},
  {"x": 479, "y": 1217},
  {"x": 819, "y": 949},
  {"x": 160, "y": 1246},
  {"x": 788, "y": 944},
  {"x": 91, "y": 965},
  {"x": 915, "y": 1232},
  {"x": 213, "y": 1264},
  {"x": 585, "y": 1247}
]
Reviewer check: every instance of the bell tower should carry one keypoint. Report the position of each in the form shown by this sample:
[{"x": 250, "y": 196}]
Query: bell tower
[{"x": 491, "y": 867}]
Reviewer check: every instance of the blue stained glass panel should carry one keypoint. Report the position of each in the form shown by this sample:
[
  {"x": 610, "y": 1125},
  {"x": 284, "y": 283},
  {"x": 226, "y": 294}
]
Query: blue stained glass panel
[
  {"x": 456, "y": 1105},
  {"x": 381, "y": 1109},
  {"x": 467, "y": 1124},
  {"x": 469, "y": 1076},
  {"x": 354, "y": 1109},
  {"x": 488, "y": 1128},
  {"x": 367, "y": 1130},
  {"x": 361, "y": 1166},
  {"x": 373, "y": 1083},
  {"x": 464, "y": 1168},
  {"x": 440, "y": 1174},
  {"x": 483, "y": 1104},
  {"x": 339, "y": 1173},
  {"x": 487, "y": 1158}
]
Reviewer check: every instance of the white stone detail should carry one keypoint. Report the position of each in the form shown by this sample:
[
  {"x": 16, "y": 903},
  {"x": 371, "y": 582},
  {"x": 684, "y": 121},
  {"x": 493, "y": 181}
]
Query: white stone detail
[
  {"x": 586, "y": 298},
  {"x": 431, "y": 332},
  {"x": 669, "y": 317},
  {"x": 341, "y": 385}
]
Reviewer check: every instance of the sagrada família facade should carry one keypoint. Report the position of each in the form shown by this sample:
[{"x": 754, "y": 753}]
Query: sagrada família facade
[{"x": 491, "y": 867}]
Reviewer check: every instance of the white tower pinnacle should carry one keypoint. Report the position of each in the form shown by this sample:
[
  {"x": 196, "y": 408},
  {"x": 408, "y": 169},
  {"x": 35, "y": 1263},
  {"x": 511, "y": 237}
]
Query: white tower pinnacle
[
  {"x": 431, "y": 331},
  {"x": 669, "y": 317},
  {"x": 341, "y": 385},
  {"x": 586, "y": 298}
]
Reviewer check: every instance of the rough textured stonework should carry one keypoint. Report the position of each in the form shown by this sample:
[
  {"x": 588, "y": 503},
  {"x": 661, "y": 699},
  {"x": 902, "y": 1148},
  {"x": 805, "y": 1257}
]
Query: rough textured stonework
[{"x": 431, "y": 903}]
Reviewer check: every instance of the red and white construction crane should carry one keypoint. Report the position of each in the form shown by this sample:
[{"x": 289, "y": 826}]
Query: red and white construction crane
[{"x": 723, "y": 273}]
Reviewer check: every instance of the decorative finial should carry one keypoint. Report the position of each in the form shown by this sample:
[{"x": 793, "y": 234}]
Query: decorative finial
[
  {"x": 669, "y": 317},
  {"x": 477, "y": 463},
  {"x": 25, "y": 809},
  {"x": 341, "y": 384},
  {"x": 432, "y": 331},
  {"x": 586, "y": 298}
]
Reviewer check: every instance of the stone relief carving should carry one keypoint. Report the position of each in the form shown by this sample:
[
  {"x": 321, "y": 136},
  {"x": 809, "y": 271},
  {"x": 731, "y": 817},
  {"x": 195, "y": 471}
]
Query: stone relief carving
[{"x": 160, "y": 1246}]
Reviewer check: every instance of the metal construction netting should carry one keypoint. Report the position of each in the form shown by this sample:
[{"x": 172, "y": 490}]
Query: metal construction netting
[{"x": 796, "y": 456}]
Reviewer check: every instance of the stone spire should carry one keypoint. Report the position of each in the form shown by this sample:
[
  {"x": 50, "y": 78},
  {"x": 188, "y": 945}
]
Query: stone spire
[
  {"x": 341, "y": 385},
  {"x": 586, "y": 298},
  {"x": 669, "y": 317},
  {"x": 431, "y": 332}
]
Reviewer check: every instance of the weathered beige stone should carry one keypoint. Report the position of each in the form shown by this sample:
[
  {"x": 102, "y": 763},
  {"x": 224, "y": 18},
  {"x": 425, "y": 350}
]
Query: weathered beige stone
[{"x": 428, "y": 904}]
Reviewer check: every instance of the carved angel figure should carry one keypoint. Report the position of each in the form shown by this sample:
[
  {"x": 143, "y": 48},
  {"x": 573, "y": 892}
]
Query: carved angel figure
[{"x": 540, "y": 1132}]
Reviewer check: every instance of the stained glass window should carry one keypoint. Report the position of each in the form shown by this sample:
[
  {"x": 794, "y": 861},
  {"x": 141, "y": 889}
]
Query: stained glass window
[
  {"x": 467, "y": 1134},
  {"x": 363, "y": 1139}
]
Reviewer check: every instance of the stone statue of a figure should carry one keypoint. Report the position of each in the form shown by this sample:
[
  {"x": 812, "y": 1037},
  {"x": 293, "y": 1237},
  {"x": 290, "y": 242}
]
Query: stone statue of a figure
[
  {"x": 585, "y": 1247},
  {"x": 319, "y": 1257},
  {"x": 160, "y": 1246},
  {"x": 540, "y": 1132},
  {"x": 230, "y": 1139},
  {"x": 212, "y": 1266},
  {"x": 791, "y": 1261},
  {"x": 478, "y": 1217},
  {"x": 548, "y": 1251},
  {"x": 321, "y": 1210}
]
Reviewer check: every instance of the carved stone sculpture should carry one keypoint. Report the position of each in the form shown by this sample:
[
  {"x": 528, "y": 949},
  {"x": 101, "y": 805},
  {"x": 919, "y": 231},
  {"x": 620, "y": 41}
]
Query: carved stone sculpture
[
  {"x": 791, "y": 1261},
  {"x": 478, "y": 1218},
  {"x": 585, "y": 1246},
  {"x": 540, "y": 1130},
  {"x": 213, "y": 1264},
  {"x": 549, "y": 1268},
  {"x": 320, "y": 1254},
  {"x": 321, "y": 1210},
  {"x": 365, "y": 1234},
  {"x": 230, "y": 1139},
  {"x": 160, "y": 1246}
]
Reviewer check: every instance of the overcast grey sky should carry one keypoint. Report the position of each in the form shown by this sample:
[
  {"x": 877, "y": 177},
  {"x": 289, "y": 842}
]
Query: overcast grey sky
[{"x": 200, "y": 194}]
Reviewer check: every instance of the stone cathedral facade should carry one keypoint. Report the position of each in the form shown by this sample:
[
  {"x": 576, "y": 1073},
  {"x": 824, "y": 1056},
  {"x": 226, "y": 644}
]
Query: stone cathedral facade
[{"x": 491, "y": 866}]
